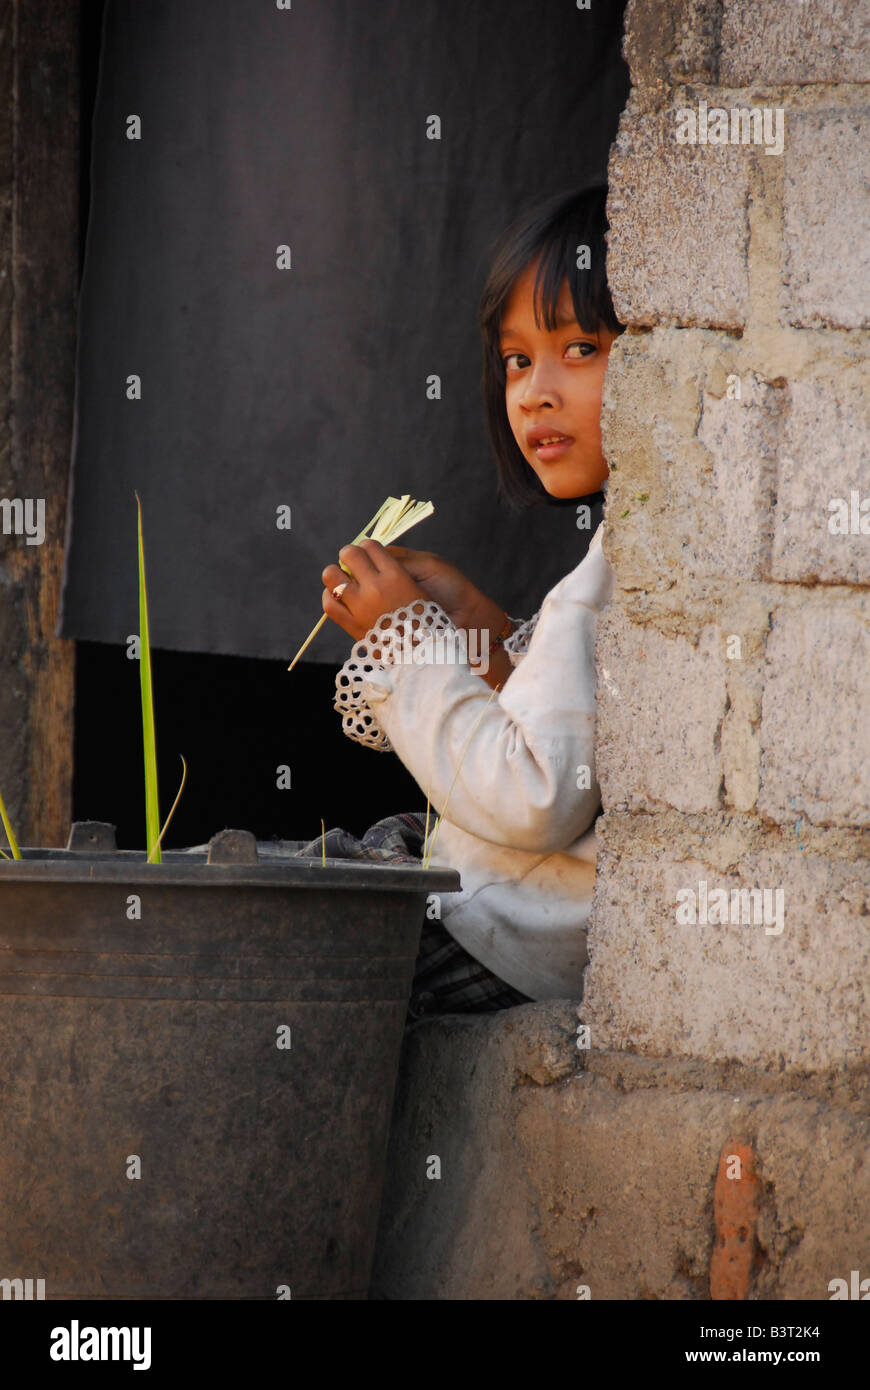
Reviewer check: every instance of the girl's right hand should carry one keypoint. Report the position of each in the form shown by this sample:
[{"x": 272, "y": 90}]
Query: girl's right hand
[{"x": 462, "y": 601}]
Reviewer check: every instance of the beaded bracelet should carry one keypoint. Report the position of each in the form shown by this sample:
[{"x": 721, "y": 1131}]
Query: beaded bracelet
[
  {"x": 503, "y": 635},
  {"x": 498, "y": 641}
]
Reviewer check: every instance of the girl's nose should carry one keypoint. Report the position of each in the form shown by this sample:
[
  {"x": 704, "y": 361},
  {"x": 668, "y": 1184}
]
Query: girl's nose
[{"x": 539, "y": 389}]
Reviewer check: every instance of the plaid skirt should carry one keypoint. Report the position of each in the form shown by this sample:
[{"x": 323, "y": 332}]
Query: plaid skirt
[{"x": 447, "y": 978}]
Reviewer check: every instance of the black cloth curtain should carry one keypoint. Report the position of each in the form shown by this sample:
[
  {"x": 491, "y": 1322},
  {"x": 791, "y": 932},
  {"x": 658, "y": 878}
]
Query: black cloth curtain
[{"x": 306, "y": 388}]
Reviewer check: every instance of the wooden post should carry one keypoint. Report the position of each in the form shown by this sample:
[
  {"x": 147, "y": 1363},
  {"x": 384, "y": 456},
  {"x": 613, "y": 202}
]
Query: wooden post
[{"x": 39, "y": 235}]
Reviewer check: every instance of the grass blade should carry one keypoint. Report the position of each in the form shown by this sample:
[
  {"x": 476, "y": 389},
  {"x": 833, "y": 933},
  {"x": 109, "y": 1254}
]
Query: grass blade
[
  {"x": 174, "y": 804},
  {"x": 152, "y": 805},
  {"x": 10, "y": 835},
  {"x": 426, "y": 831}
]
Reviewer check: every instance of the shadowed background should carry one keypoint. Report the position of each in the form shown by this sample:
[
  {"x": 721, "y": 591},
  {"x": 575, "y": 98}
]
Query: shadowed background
[{"x": 306, "y": 387}]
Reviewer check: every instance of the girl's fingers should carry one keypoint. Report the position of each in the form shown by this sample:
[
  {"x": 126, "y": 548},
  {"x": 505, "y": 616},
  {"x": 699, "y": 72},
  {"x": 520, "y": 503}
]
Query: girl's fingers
[
  {"x": 418, "y": 562},
  {"x": 339, "y": 606},
  {"x": 379, "y": 583},
  {"x": 375, "y": 551},
  {"x": 336, "y": 610},
  {"x": 414, "y": 561},
  {"x": 398, "y": 559},
  {"x": 403, "y": 552},
  {"x": 334, "y": 575},
  {"x": 342, "y": 609},
  {"x": 358, "y": 561},
  {"x": 386, "y": 565}
]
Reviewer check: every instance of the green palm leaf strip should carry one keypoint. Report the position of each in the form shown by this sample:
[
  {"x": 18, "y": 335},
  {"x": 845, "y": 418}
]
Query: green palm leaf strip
[
  {"x": 152, "y": 805},
  {"x": 396, "y": 516}
]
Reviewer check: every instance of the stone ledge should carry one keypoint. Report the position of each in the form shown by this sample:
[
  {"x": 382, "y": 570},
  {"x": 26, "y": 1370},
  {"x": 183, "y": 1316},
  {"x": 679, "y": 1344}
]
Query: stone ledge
[{"x": 555, "y": 1175}]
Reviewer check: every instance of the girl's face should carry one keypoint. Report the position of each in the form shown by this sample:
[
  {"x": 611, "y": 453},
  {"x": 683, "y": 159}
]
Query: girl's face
[{"x": 553, "y": 390}]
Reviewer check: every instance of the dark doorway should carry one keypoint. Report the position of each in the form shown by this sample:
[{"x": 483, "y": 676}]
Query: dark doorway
[{"x": 237, "y": 720}]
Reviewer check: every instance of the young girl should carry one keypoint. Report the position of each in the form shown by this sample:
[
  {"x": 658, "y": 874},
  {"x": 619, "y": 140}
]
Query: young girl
[{"x": 515, "y": 772}]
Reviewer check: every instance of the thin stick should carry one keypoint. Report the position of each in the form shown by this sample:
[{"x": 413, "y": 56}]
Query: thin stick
[
  {"x": 308, "y": 640},
  {"x": 323, "y": 839}
]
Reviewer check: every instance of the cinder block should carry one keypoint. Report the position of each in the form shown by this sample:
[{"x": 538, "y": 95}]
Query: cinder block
[
  {"x": 826, "y": 271},
  {"x": 796, "y": 42},
  {"x": 782, "y": 982},
  {"x": 823, "y": 480},
  {"x": 601, "y": 1178},
  {"x": 661, "y": 701},
  {"x": 739, "y": 741},
  {"x": 677, "y": 246},
  {"x": 692, "y": 443},
  {"x": 816, "y": 713},
  {"x": 665, "y": 44},
  {"x": 740, "y": 429}
]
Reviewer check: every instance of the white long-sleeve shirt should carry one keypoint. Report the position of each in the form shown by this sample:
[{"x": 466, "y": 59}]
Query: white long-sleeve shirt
[{"x": 517, "y": 775}]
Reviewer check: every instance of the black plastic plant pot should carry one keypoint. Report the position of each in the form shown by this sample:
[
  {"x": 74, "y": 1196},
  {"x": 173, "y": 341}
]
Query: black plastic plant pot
[{"x": 198, "y": 1066}]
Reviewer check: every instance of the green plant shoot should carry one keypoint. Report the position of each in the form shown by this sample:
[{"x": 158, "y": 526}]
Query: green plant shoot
[
  {"x": 10, "y": 836},
  {"x": 152, "y": 805}
]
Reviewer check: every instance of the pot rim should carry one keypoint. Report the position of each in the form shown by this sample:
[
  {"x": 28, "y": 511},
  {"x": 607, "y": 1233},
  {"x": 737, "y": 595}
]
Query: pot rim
[{"x": 183, "y": 869}]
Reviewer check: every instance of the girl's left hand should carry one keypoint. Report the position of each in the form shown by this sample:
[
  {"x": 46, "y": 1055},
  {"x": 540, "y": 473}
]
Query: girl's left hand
[{"x": 377, "y": 584}]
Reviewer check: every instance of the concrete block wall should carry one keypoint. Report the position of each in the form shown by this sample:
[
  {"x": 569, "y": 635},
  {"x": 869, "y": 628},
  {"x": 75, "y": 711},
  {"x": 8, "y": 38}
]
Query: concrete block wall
[
  {"x": 734, "y": 704},
  {"x": 734, "y": 663}
]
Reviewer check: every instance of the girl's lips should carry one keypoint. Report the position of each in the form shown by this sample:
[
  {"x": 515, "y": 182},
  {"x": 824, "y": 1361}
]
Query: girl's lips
[{"x": 548, "y": 452}]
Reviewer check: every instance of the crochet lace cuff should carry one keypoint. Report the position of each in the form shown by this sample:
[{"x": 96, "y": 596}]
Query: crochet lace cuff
[
  {"x": 517, "y": 644},
  {"x": 393, "y": 641}
]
